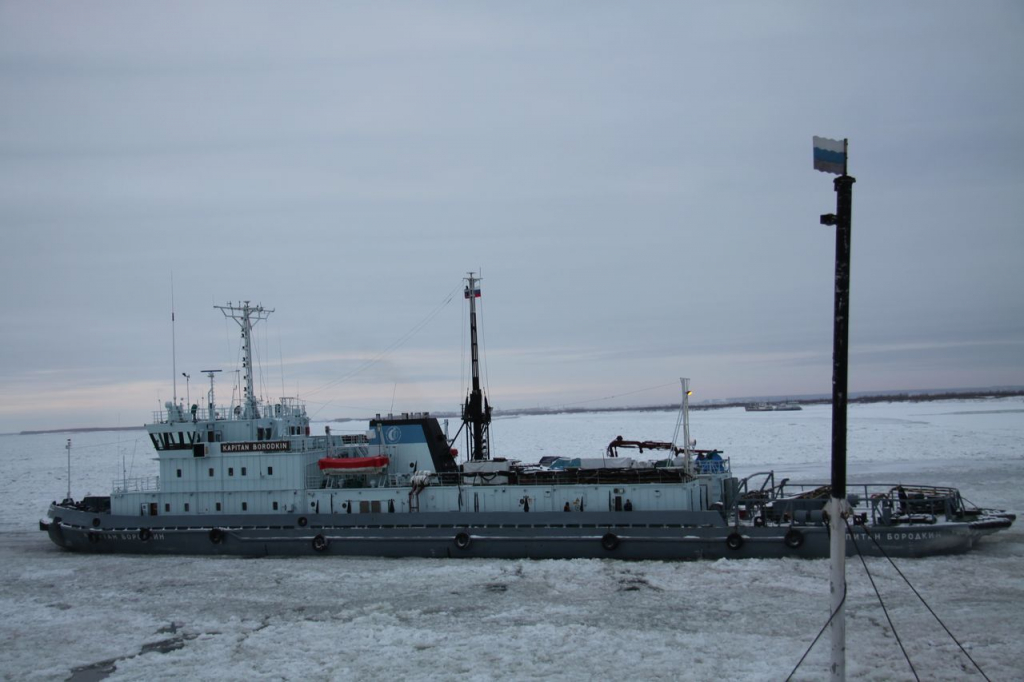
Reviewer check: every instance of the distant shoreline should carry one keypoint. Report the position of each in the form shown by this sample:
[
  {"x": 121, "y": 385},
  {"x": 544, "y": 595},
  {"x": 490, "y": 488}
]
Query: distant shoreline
[
  {"x": 903, "y": 397},
  {"x": 84, "y": 429},
  {"x": 881, "y": 398}
]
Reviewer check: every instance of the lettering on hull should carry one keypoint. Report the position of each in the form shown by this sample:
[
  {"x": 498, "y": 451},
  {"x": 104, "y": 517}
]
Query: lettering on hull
[
  {"x": 257, "y": 446},
  {"x": 911, "y": 536}
]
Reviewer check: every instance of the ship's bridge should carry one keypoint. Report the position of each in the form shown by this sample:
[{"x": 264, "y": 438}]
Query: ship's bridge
[
  {"x": 286, "y": 408},
  {"x": 178, "y": 428}
]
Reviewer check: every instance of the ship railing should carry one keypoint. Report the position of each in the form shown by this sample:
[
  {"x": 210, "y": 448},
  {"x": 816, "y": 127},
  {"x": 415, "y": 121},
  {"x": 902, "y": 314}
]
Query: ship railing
[
  {"x": 136, "y": 485},
  {"x": 287, "y": 408},
  {"x": 340, "y": 445},
  {"x": 712, "y": 466},
  {"x": 317, "y": 479},
  {"x": 220, "y": 413},
  {"x": 881, "y": 503}
]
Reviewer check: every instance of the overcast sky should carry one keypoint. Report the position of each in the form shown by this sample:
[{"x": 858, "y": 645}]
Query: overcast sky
[{"x": 633, "y": 179}]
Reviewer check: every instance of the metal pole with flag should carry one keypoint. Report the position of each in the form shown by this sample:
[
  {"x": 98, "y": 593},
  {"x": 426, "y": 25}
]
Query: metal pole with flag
[{"x": 830, "y": 156}]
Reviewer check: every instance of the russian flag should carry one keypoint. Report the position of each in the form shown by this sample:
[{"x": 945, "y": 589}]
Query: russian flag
[
  {"x": 476, "y": 293},
  {"x": 830, "y": 155}
]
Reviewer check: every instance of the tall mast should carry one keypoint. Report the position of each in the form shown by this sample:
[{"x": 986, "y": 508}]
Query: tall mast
[
  {"x": 68, "y": 446},
  {"x": 174, "y": 348},
  {"x": 247, "y": 316},
  {"x": 684, "y": 421},
  {"x": 828, "y": 155},
  {"x": 477, "y": 412},
  {"x": 211, "y": 402}
]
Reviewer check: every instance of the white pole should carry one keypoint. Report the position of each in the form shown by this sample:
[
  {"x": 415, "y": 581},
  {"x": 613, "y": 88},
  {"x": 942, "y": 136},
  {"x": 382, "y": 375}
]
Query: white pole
[
  {"x": 837, "y": 586},
  {"x": 174, "y": 349},
  {"x": 686, "y": 417},
  {"x": 69, "y": 469},
  {"x": 684, "y": 420}
]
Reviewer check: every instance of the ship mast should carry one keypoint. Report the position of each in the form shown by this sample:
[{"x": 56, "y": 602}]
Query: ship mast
[
  {"x": 247, "y": 316},
  {"x": 476, "y": 413},
  {"x": 684, "y": 420}
]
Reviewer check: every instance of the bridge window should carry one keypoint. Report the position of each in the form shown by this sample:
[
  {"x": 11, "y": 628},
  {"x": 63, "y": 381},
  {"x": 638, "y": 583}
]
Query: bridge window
[
  {"x": 243, "y": 471},
  {"x": 270, "y": 471},
  {"x": 231, "y": 471},
  {"x": 179, "y": 473},
  {"x": 211, "y": 472}
]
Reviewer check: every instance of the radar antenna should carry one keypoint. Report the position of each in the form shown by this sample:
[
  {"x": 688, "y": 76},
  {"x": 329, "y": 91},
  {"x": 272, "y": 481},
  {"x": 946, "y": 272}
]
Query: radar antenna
[{"x": 247, "y": 316}]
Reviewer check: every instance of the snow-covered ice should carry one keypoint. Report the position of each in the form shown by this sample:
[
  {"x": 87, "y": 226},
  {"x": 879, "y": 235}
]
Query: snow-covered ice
[{"x": 130, "y": 617}]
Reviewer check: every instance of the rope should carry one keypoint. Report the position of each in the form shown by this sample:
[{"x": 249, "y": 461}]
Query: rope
[
  {"x": 380, "y": 356},
  {"x": 818, "y": 636},
  {"x": 881, "y": 602},
  {"x": 619, "y": 395},
  {"x": 463, "y": 384},
  {"x": 925, "y": 603},
  {"x": 483, "y": 345}
]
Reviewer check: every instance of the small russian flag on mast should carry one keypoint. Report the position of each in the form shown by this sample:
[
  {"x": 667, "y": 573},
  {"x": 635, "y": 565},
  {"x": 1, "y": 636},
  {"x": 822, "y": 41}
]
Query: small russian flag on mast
[
  {"x": 830, "y": 155},
  {"x": 476, "y": 292}
]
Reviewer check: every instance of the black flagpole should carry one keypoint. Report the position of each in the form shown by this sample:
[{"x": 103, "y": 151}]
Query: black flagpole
[
  {"x": 840, "y": 354},
  {"x": 841, "y": 328}
]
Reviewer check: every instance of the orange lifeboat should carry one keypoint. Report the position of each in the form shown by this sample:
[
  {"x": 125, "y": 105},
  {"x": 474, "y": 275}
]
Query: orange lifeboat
[{"x": 353, "y": 465}]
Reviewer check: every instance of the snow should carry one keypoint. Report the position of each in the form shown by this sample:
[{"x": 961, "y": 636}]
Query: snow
[{"x": 313, "y": 618}]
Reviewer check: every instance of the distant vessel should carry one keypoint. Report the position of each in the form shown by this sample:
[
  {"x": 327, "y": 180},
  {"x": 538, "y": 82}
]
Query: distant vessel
[
  {"x": 251, "y": 480},
  {"x": 773, "y": 407}
]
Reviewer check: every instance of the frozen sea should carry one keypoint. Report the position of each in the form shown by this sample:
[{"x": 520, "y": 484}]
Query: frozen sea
[{"x": 68, "y": 616}]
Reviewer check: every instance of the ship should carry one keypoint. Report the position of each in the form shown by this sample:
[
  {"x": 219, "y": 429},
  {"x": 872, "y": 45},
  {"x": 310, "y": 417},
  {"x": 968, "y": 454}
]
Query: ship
[
  {"x": 773, "y": 407},
  {"x": 250, "y": 479}
]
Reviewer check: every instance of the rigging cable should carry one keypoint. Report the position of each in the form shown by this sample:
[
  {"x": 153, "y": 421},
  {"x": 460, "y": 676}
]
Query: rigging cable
[
  {"x": 463, "y": 389},
  {"x": 401, "y": 340},
  {"x": 912, "y": 588},
  {"x": 881, "y": 602},
  {"x": 818, "y": 636},
  {"x": 619, "y": 395},
  {"x": 483, "y": 354},
  {"x": 483, "y": 344},
  {"x": 925, "y": 603}
]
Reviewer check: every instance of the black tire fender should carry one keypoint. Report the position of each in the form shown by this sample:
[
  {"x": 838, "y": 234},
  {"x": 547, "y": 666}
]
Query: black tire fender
[
  {"x": 96, "y": 522},
  {"x": 794, "y": 538},
  {"x": 759, "y": 521},
  {"x": 463, "y": 540},
  {"x": 216, "y": 536},
  {"x": 734, "y": 541},
  {"x": 319, "y": 543},
  {"x": 303, "y": 521},
  {"x": 610, "y": 541},
  {"x": 145, "y": 534}
]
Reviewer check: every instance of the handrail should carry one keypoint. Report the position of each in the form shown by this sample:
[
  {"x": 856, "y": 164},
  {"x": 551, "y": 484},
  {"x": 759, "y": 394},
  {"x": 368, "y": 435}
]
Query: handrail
[
  {"x": 881, "y": 502},
  {"x": 290, "y": 408},
  {"x": 136, "y": 485}
]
